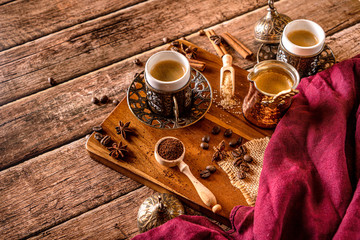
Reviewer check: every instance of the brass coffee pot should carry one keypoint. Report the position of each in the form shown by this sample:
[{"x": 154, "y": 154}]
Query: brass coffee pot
[{"x": 264, "y": 109}]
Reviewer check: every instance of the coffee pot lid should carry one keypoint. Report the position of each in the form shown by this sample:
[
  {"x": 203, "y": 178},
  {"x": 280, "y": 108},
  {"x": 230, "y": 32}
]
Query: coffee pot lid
[{"x": 269, "y": 28}]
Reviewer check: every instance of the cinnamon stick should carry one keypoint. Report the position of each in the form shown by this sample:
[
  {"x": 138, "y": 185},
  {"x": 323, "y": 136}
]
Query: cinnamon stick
[
  {"x": 199, "y": 65},
  {"x": 220, "y": 49},
  {"x": 237, "y": 45}
]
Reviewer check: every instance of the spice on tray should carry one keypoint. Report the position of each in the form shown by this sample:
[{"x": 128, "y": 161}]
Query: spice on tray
[
  {"x": 215, "y": 130},
  {"x": 204, "y": 145},
  {"x": 97, "y": 129},
  {"x": 118, "y": 151},
  {"x": 123, "y": 129},
  {"x": 211, "y": 168},
  {"x": 170, "y": 149},
  {"x": 205, "y": 138},
  {"x": 205, "y": 173},
  {"x": 98, "y": 136},
  {"x": 105, "y": 140},
  {"x": 219, "y": 153},
  {"x": 228, "y": 132}
]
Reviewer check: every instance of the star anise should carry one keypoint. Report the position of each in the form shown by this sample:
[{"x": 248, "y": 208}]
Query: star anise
[
  {"x": 118, "y": 151},
  {"x": 219, "y": 153},
  {"x": 123, "y": 129}
]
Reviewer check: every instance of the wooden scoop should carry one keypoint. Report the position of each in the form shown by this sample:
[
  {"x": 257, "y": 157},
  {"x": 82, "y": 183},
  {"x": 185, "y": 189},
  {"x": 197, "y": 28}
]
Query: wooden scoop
[
  {"x": 205, "y": 194},
  {"x": 227, "y": 75}
]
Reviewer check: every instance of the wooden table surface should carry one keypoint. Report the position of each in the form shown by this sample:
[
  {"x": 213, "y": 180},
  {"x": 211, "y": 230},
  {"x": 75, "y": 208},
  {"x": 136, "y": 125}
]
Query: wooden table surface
[{"x": 49, "y": 186}]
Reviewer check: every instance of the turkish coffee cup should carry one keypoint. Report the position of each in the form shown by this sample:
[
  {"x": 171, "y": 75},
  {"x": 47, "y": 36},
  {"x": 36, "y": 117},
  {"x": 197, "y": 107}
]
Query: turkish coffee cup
[
  {"x": 301, "y": 44},
  {"x": 167, "y": 81}
]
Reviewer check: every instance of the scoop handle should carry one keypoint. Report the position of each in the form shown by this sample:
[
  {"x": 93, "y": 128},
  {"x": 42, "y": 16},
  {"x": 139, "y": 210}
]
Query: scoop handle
[{"x": 205, "y": 194}]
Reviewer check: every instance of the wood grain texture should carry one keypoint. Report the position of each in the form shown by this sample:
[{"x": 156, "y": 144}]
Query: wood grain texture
[
  {"x": 55, "y": 187},
  {"x": 23, "y": 21},
  {"x": 97, "y": 43},
  {"x": 114, "y": 220},
  {"x": 66, "y": 113}
]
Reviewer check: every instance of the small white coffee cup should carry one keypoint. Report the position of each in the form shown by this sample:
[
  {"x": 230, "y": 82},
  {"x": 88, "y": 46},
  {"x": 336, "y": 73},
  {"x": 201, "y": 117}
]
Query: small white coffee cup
[
  {"x": 303, "y": 24},
  {"x": 171, "y": 85}
]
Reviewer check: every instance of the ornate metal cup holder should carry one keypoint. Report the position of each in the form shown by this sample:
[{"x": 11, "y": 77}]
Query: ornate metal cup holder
[
  {"x": 269, "y": 51},
  {"x": 201, "y": 102}
]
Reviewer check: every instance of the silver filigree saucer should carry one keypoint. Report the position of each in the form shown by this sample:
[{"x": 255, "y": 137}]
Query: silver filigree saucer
[
  {"x": 269, "y": 51},
  {"x": 202, "y": 98}
]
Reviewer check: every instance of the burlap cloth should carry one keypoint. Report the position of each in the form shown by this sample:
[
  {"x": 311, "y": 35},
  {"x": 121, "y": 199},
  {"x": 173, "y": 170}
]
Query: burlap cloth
[{"x": 250, "y": 185}]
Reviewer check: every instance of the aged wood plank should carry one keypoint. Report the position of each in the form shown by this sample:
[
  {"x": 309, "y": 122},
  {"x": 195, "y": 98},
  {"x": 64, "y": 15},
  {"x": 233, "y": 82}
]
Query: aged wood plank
[
  {"x": 94, "y": 44},
  {"x": 114, "y": 220},
  {"x": 55, "y": 187},
  {"x": 23, "y": 21},
  {"x": 331, "y": 15},
  {"x": 65, "y": 111}
]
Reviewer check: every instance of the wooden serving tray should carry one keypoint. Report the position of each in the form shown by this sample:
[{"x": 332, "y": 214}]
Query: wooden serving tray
[{"x": 141, "y": 165}]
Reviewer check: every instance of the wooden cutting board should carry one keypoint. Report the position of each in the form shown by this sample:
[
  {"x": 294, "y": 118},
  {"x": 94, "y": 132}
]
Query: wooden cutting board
[{"x": 141, "y": 165}]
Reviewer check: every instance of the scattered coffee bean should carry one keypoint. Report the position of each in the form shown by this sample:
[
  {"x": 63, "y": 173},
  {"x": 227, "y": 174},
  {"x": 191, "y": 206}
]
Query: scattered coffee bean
[
  {"x": 97, "y": 129},
  {"x": 105, "y": 140},
  {"x": 228, "y": 133},
  {"x": 236, "y": 153},
  {"x": 204, "y": 145},
  {"x": 239, "y": 140},
  {"x": 241, "y": 175},
  {"x": 205, "y": 173},
  {"x": 238, "y": 161},
  {"x": 51, "y": 81},
  {"x": 244, "y": 167},
  {"x": 165, "y": 40},
  {"x": 201, "y": 32},
  {"x": 216, "y": 130},
  {"x": 94, "y": 100},
  {"x": 104, "y": 99},
  {"x": 98, "y": 136},
  {"x": 115, "y": 102},
  {"x": 211, "y": 168},
  {"x": 233, "y": 143},
  {"x": 248, "y": 158},
  {"x": 206, "y": 138},
  {"x": 137, "y": 62}
]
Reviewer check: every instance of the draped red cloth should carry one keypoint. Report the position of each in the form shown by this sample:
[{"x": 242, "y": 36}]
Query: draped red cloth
[{"x": 309, "y": 186}]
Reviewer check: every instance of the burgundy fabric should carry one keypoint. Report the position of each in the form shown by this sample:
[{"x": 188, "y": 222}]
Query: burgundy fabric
[{"x": 309, "y": 185}]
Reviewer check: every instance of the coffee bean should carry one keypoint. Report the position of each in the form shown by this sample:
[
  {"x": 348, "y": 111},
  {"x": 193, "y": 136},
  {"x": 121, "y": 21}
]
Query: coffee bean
[
  {"x": 236, "y": 153},
  {"x": 115, "y": 102},
  {"x": 94, "y": 100},
  {"x": 216, "y": 130},
  {"x": 204, "y": 145},
  {"x": 104, "y": 99},
  {"x": 228, "y": 133},
  {"x": 205, "y": 173},
  {"x": 244, "y": 167},
  {"x": 241, "y": 175},
  {"x": 105, "y": 140},
  {"x": 98, "y": 136},
  {"x": 233, "y": 143},
  {"x": 243, "y": 150},
  {"x": 211, "y": 168},
  {"x": 201, "y": 32},
  {"x": 97, "y": 129},
  {"x": 237, "y": 162},
  {"x": 51, "y": 81},
  {"x": 205, "y": 138},
  {"x": 165, "y": 40},
  {"x": 248, "y": 158},
  {"x": 239, "y": 140},
  {"x": 137, "y": 62}
]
